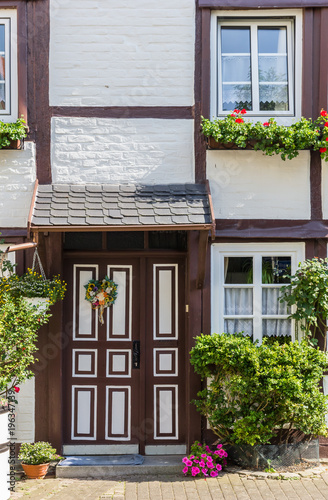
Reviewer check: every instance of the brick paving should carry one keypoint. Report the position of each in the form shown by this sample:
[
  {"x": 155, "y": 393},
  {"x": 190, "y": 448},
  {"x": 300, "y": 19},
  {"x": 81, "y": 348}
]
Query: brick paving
[{"x": 228, "y": 486}]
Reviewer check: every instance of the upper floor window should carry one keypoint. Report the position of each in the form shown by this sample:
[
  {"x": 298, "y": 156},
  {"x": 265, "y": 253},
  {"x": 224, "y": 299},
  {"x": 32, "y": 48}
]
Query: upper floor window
[
  {"x": 256, "y": 64},
  {"x": 8, "y": 65}
]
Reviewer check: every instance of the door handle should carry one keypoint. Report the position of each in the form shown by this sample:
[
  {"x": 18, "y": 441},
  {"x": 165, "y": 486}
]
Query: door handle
[{"x": 136, "y": 354}]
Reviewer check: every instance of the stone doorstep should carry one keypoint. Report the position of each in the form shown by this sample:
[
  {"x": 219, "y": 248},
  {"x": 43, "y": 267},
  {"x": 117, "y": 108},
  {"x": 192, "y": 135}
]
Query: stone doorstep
[{"x": 152, "y": 466}]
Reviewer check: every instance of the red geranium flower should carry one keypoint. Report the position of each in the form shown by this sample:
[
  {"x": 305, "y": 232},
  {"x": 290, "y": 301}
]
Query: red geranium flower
[
  {"x": 323, "y": 150},
  {"x": 236, "y": 110},
  {"x": 266, "y": 124},
  {"x": 326, "y": 138},
  {"x": 232, "y": 114},
  {"x": 239, "y": 120},
  {"x": 326, "y": 124},
  {"x": 323, "y": 112},
  {"x": 16, "y": 389},
  {"x": 243, "y": 111}
]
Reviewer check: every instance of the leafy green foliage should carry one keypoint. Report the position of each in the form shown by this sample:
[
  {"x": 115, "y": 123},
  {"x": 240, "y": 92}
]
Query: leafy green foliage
[
  {"x": 12, "y": 132},
  {"x": 32, "y": 284},
  {"x": 308, "y": 291},
  {"x": 254, "y": 391},
  {"x": 19, "y": 323},
  {"x": 270, "y": 137},
  {"x": 37, "y": 453}
]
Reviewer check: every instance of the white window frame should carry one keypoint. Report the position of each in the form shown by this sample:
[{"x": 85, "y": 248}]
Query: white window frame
[
  {"x": 8, "y": 17},
  {"x": 256, "y": 250},
  {"x": 292, "y": 19}
]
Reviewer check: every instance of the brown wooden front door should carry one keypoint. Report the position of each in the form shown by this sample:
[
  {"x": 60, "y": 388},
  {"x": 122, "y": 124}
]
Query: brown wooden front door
[{"x": 124, "y": 380}]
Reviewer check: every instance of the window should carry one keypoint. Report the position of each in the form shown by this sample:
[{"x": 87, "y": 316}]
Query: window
[
  {"x": 256, "y": 65},
  {"x": 246, "y": 283},
  {"x": 8, "y": 65}
]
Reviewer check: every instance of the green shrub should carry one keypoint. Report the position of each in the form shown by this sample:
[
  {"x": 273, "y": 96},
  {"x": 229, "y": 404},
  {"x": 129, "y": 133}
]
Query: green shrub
[
  {"x": 37, "y": 453},
  {"x": 255, "y": 391}
]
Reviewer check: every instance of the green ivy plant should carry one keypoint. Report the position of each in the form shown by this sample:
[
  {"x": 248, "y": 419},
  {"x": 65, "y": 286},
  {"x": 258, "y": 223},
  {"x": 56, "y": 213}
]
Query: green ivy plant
[
  {"x": 255, "y": 392},
  {"x": 308, "y": 291},
  {"x": 12, "y": 132},
  {"x": 19, "y": 324},
  {"x": 270, "y": 137}
]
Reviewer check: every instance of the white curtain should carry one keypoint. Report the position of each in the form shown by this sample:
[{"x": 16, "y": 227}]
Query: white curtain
[
  {"x": 238, "y": 301},
  {"x": 271, "y": 305}
]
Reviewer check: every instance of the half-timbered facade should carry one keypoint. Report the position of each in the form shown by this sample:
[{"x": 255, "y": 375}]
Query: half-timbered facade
[{"x": 116, "y": 179}]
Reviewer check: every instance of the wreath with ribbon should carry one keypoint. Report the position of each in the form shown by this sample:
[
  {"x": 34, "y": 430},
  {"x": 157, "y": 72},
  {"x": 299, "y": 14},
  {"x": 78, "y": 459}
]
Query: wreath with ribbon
[{"x": 101, "y": 294}]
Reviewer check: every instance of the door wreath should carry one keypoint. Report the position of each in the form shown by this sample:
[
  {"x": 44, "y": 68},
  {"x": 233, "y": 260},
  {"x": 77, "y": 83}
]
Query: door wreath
[{"x": 101, "y": 294}]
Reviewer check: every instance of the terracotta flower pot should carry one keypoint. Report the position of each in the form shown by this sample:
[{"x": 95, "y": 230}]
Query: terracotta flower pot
[{"x": 35, "y": 471}]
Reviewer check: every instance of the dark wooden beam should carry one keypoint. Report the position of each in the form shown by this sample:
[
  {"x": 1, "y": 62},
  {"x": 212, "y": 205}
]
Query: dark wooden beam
[
  {"x": 202, "y": 253},
  {"x": 162, "y": 112}
]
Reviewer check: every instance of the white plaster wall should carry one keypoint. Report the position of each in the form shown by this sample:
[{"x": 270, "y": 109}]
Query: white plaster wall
[
  {"x": 17, "y": 178},
  {"x": 250, "y": 185},
  {"x": 122, "y": 53},
  {"x": 25, "y": 413},
  {"x": 122, "y": 150},
  {"x": 324, "y": 191}
]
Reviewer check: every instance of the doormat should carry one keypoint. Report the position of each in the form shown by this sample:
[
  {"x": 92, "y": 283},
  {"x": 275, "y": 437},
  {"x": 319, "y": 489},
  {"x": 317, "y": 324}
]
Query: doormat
[{"x": 108, "y": 460}]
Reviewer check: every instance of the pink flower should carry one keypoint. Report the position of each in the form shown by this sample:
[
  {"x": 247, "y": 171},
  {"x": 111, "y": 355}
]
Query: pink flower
[
  {"x": 204, "y": 455},
  {"x": 195, "y": 471},
  {"x": 209, "y": 458},
  {"x": 266, "y": 124},
  {"x": 185, "y": 459},
  {"x": 208, "y": 450},
  {"x": 224, "y": 462},
  {"x": 240, "y": 120},
  {"x": 219, "y": 467},
  {"x": 188, "y": 463},
  {"x": 213, "y": 473},
  {"x": 221, "y": 453},
  {"x": 210, "y": 465},
  {"x": 225, "y": 454},
  {"x": 202, "y": 463},
  {"x": 185, "y": 470},
  {"x": 16, "y": 389},
  {"x": 216, "y": 452},
  {"x": 192, "y": 456},
  {"x": 196, "y": 461},
  {"x": 219, "y": 446},
  {"x": 204, "y": 471}
]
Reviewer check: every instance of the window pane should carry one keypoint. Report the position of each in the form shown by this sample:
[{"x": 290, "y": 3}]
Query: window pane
[
  {"x": 236, "y": 67},
  {"x": 238, "y": 326},
  {"x": 272, "y": 40},
  {"x": 272, "y": 48},
  {"x": 271, "y": 304},
  {"x": 2, "y": 96},
  {"x": 235, "y": 40},
  {"x": 238, "y": 301},
  {"x": 2, "y": 37},
  {"x": 276, "y": 327},
  {"x": 238, "y": 270},
  {"x": 274, "y": 268}
]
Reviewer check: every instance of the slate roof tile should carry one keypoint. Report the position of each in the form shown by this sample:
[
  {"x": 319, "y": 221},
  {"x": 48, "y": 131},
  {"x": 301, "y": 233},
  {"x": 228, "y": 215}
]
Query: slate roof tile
[{"x": 126, "y": 204}]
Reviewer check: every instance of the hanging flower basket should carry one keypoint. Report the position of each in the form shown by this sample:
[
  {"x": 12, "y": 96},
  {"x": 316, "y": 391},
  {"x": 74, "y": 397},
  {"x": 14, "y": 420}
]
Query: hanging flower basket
[{"x": 101, "y": 294}]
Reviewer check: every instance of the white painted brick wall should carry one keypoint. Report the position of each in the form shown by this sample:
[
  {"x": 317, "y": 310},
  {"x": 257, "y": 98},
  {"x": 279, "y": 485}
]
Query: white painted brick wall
[
  {"x": 17, "y": 178},
  {"x": 249, "y": 185},
  {"x": 122, "y": 150},
  {"x": 25, "y": 413},
  {"x": 122, "y": 53}
]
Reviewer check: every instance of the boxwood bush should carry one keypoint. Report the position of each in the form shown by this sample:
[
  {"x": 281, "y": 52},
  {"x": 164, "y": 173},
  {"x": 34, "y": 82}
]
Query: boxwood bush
[{"x": 254, "y": 391}]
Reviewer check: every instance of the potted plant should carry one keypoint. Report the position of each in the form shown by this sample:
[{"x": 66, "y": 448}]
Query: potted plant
[
  {"x": 36, "y": 458},
  {"x": 33, "y": 285}
]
